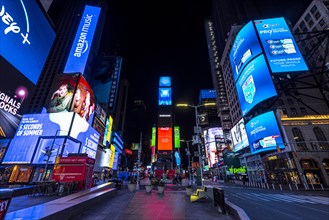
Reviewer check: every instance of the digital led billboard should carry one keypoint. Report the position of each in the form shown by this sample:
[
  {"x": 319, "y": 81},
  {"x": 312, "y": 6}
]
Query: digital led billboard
[
  {"x": 239, "y": 136},
  {"x": 164, "y": 138},
  {"x": 71, "y": 93},
  {"x": 164, "y": 96},
  {"x": 245, "y": 47},
  {"x": 79, "y": 53},
  {"x": 154, "y": 133},
  {"x": 26, "y": 38},
  {"x": 36, "y": 132},
  {"x": 177, "y": 158},
  {"x": 279, "y": 46},
  {"x": 177, "y": 136},
  {"x": 210, "y": 142},
  {"x": 112, "y": 155},
  {"x": 255, "y": 84},
  {"x": 135, "y": 146},
  {"x": 263, "y": 133},
  {"x": 165, "y": 81}
]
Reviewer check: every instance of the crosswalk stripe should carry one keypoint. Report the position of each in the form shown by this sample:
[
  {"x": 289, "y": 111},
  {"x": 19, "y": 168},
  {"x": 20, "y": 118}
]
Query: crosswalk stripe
[
  {"x": 317, "y": 199},
  {"x": 260, "y": 197},
  {"x": 294, "y": 199}
]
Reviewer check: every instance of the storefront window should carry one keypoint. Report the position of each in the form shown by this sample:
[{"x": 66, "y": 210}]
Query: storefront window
[
  {"x": 308, "y": 164},
  {"x": 325, "y": 163},
  {"x": 293, "y": 177},
  {"x": 321, "y": 138},
  {"x": 312, "y": 178},
  {"x": 300, "y": 141}
]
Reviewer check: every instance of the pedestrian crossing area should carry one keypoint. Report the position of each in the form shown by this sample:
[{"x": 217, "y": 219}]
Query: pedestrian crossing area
[{"x": 270, "y": 197}]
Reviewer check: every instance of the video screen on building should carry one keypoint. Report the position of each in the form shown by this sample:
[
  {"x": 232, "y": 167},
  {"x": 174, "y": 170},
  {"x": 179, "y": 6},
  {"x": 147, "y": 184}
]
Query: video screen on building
[
  {"x": 83, "y": 40},
  {"x": 245, "y": 47},
  {"x": 264, "y": 133},
  {"x": 239, "y": 136},
  {"x": 279, "y": 45},
  {"x": 165, "y": 81},
  {"x": 72, "y": 93},
  {"x": 210, "y": 136},
  {"x": 177, "y": 136},
  {"x": 154, "y": 133},
  {"x": 26, "y": 38},
  {"x": 165, "y": 96},
  {"x": 255, "y": 84},
  {"x": 165, "y": 138}
]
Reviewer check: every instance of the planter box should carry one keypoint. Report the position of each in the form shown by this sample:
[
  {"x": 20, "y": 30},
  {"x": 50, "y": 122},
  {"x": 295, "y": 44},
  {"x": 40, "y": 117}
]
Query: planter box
[
  {"x": 148, "y": 188},
  {"x": 161, "y": 189},
  {"x": 131, "y": 187},
  {"x": 189, "y": 191}
]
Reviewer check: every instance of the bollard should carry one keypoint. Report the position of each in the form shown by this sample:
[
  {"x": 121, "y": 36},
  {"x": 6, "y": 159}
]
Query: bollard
[
  {"x": 296, "y": 186},
  {"x": 268, "y": 187},
  {"x": 312, "y": 186},
  {"x": 273, "y": 185},
  {"x": 321, "y": 186},
  {"x": 219, "y": 199},
  {"x": 290, "y": 187},
  {"x": 280, "y": 187}
]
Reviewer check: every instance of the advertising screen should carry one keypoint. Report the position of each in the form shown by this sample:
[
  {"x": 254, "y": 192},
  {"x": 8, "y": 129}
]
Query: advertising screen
[
  {"x": 86, "y": 134},
  {"x": 164, "y": 138},
  {"x": 255, "y": 84},
  {"x": 239, "y": 136},
  {"x": 79, "y": 53},
  {"x": 26, "y": 37},
  {"x": 112, "y": 155},
  {"x": 210, "y": 142},
  {"x": 245, "y": 47},
  {"x": 177, "y": 137},
  {"x": 72, "y": 93},
  {"x": 135, "y": 146},
  {"x": 105, "y": 158},
  {"x": 279, "y": 46},
  {"x": 264, "y": 133},
  {"x": 177, "y": 158},
  {"x": 31, "y": 128},
  {"x": 165, "y": 81},
  {"x": 165, "y": 96},
  {"x": 154, "y": 133}
]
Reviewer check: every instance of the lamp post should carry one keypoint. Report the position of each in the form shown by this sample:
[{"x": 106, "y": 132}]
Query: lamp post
[
  {"x": 197, "y": 132},
  {"x": 189, "y": 160},
  {"x": 49, "y": 153}
]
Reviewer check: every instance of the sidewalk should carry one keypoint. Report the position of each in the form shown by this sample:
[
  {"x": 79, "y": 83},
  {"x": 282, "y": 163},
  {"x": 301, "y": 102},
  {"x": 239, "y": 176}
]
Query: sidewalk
[{"x": 172, "y": 205}]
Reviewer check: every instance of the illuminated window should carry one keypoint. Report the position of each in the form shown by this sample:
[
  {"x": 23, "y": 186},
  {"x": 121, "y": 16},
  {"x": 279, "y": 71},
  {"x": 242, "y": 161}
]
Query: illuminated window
[
  {"x": 299, "y": 138},
  {"x": 321, "y": 138}
]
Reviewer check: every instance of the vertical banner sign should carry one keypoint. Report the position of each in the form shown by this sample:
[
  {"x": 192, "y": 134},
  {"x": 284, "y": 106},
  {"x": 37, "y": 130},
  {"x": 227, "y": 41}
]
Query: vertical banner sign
[
  {"x": 154, "y": 132},
  {"x": 79, "y": 53},
  {"x": 109, "y": 131},
  {"x": 115, "y": 84},
  {"x": 112, "y": 155},
  {"x": 177, "y": 136},
  {"x": 279, "y": 46}
]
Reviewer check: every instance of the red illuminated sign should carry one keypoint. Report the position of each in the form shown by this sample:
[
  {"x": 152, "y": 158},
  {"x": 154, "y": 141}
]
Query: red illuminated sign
[
  {"x": 165, "y": 138},
  {"x": 128, "y": 151}
]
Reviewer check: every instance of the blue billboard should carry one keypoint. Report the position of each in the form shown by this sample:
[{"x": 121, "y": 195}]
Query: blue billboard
[
  {"x": 264, "y": 133},
  {"x": 279, "y": 46},
  {"x": 79, "y": 53},
  {"x": 255, "y": 84},
  {"x": 37, "y": 132},
  {"x": 165, "y": 81},
  {"x": 165, "y": 96},
  {"x": 26, "y": 37},
  {"x": 245, "y": 47}
]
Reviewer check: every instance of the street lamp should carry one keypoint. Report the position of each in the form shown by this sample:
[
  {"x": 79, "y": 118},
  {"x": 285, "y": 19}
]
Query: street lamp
[
  {"x": 48, "y": 153},
  {"x": 189, "y": 160},
  {"x": 197, "y": 129}
]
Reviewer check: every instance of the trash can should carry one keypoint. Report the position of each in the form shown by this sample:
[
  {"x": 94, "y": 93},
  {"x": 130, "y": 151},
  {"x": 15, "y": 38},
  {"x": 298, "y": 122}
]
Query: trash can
[
  {"x": 219, "y": 199},
  {"x": 5, "y": 198}
]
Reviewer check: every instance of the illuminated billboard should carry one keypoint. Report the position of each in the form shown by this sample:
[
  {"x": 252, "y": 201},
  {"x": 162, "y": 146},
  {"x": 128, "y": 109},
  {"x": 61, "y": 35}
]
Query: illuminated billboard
[
  {"x": 245, "y": 47},
  {"x": 112, "y": 155},
  {"x": 239, "y": 136},
  {"x": 264, "y": 133},
  {"x": 79, "y": 53},
  {"x": 177, "y": 137},
  {"x": 165, "y": 81},
  {"x": 71, "y": 93},
  {"x": 154, "y": 133},
  {"x": 164, "y": 138},
  {"x": 26, "y": 38},
  {"x": 279, "y": 46},
  {"x": 164, "y": 96},
  {"x": 37, "y": 132},
  {"x": 108, "y": 132},
  {"x": 255, "y": 84},
  {"x": 210, "y": 136},
  {"x": 135, "y": 146}
]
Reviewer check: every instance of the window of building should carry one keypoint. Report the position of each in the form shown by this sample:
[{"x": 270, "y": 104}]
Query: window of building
[
  {"x": 299, "y": 138},
  {"x": 307, "y": 17},
  {"x": 308, "y": 164},
  {"x": 310, "y": 23},
  {"x": 303, "y": 110},
  {"x": 321, "y": 22},
  {"x": 302, "y": 25},
  {"x": 317, "y": 15},
  {"x": 321, "y": 138},
  {"x": 314, "y": 9},
  {"x": 293, "y": 111}
]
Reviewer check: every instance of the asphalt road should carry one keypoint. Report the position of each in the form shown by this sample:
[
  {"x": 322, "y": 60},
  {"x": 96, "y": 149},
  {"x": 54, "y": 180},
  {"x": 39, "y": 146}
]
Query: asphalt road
[{"x": 263, "y": 204}]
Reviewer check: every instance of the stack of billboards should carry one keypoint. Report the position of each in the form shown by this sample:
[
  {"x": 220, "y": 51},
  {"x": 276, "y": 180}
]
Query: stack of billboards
[{"x": 261, "y": 49}]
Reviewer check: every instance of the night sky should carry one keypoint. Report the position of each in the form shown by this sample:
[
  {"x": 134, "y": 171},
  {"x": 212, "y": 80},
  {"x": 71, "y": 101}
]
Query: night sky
[{"x": 161, "y": 38}]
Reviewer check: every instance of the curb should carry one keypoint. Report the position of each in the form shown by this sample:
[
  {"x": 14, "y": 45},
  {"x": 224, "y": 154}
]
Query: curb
[{"x": 236, "y": 211}]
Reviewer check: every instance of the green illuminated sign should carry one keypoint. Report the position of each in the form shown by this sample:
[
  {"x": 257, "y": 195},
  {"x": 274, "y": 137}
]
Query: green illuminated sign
[
  {"x": 239, "y": 170},
  {"x": 177, "y": 137},
  {"x": 154, "y": 132}
]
